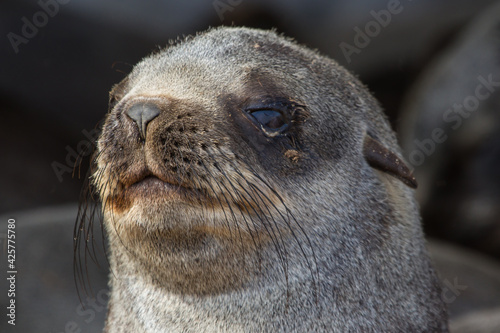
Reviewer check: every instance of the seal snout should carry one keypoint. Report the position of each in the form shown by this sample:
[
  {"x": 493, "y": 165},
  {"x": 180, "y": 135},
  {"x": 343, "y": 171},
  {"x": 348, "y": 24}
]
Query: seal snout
[{"x": 142, "y": 113}]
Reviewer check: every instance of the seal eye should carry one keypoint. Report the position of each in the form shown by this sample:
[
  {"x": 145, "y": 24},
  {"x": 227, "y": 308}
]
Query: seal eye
[
  {"x": 272, "y": 122},
  {"x": 269, "y": 118}
]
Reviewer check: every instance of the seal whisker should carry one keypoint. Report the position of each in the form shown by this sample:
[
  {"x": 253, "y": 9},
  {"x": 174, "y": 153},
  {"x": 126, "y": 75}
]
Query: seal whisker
[
  {"x": 294, "y": 235},
  {"x": 88, "y": 211},
  {"x": 286, "y": 220},
  {"x": 201, "y": 186},
  {"x": 84, "y": 219},
  {"x": 228, "y": 203},
  {"x": 244, "y": 211},
  {"x": 281, "y": 249}
]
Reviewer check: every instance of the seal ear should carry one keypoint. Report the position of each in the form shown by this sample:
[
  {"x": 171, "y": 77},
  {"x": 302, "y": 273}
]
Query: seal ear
[{"x": 381, "y": 158}]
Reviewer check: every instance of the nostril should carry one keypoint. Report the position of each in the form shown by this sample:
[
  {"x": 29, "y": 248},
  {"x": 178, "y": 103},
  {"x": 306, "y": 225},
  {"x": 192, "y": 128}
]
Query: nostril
[{"x": 142, "y": 114}]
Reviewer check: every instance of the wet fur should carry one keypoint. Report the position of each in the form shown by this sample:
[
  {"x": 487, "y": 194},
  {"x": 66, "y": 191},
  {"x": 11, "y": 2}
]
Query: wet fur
[{"x": 291, "y": 233}]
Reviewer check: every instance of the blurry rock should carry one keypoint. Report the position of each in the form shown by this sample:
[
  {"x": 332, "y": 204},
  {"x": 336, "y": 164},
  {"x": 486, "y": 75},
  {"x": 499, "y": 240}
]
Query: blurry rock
[
  {"x": 46, "y": 296},
  {"x": 487, "y": 321},
  {"x": 451, "y": 134},
  {"x": 471, "y": 287}
]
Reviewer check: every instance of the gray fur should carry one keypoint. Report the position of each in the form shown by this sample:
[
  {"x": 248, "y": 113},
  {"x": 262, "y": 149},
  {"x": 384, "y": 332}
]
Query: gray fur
[{"x": 333, "y": 245}]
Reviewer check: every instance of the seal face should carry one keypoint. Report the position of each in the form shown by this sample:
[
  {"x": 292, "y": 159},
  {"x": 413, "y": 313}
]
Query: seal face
[{"x": 250, "y": 184}]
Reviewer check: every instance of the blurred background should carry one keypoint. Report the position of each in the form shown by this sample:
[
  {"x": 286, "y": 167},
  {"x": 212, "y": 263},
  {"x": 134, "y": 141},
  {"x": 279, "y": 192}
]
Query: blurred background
[{"x": 433, "y": 65}]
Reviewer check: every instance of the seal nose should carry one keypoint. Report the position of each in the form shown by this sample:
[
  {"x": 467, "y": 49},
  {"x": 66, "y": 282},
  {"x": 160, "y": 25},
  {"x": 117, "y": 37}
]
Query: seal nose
[{"x": 142, "y": 114}]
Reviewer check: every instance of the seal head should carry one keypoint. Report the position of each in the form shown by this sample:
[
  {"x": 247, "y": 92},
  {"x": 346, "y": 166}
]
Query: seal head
[{"x": 250, "y": 184}]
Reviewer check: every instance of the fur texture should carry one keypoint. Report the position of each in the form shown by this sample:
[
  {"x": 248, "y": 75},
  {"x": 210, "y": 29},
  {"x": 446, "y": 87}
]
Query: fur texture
[{"x": 218, "y": 223}]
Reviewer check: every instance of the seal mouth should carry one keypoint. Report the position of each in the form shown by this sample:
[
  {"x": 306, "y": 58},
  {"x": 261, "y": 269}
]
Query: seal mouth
[
  {"x": 150, "y": 185},
  {"x": 153, "y": 183},
  {"x": 150, "y": 189}
]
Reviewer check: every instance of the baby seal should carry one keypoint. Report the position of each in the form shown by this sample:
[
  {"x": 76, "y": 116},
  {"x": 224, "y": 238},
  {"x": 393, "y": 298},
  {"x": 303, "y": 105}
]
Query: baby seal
[{"x": 249, "y": 184}]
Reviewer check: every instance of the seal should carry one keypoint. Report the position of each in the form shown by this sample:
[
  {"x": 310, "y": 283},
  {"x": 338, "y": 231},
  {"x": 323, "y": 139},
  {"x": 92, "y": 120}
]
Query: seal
[{"x": 249, "y": 184}]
